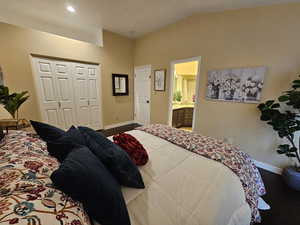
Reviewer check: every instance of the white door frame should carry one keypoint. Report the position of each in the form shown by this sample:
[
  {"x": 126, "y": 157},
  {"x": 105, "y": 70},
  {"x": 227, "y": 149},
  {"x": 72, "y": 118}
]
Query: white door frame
[
  {"x": 38, "y": 86},
  {"x": 171, "y": 85},
  {"x": 135, "y": 105}
]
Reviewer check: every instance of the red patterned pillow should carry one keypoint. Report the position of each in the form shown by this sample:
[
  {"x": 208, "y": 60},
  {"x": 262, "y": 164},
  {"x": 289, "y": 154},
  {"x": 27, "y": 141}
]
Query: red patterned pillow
[{"x": 133, "y": 147}]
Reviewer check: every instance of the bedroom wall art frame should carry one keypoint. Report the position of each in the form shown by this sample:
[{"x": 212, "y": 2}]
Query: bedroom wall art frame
[
  {"x": 120, "y": 84},
  {"x": 243, "y": 85},
  {"x": 160, "y": 79}
]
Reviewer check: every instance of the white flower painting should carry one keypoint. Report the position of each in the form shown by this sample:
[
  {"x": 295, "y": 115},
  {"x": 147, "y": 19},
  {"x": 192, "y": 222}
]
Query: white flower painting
[{"x": 236, "y": 85}]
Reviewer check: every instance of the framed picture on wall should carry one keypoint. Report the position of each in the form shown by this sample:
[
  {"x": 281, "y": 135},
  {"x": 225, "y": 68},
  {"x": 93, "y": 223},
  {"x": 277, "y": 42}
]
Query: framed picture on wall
[
  {"x": 1, "y": 77},
  {"x": 236, "y": 85},
  {"x": 160, "y": 80},
  {"x": 120, "y": 84}
]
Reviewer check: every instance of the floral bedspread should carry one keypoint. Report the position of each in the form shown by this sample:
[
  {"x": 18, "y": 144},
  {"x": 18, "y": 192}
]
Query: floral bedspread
[
  {"x": 27, "y": 196},
  {"x": 239, "y": 162}
]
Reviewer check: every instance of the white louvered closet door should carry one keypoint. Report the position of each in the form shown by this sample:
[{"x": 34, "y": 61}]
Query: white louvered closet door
[
  {"x": 47, "y": 91},
  {"x": 65, "y": 97},
  {"x": 81, "y": 94},
  {"x": 68, "y": 93},
  {"x": 93, "y": 95}
]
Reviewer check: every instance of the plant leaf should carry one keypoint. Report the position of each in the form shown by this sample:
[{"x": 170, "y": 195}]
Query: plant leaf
[
  {"x": 280, "y": 152},
  {"x": 293, "y": 149},
  {"x": 283, "y": 98},
  {"x": 269, "y": 103},
  {"x": 295, "y": 86},
  {"x": 290, "y": 155},
  {"x": 275, "y": 106}
]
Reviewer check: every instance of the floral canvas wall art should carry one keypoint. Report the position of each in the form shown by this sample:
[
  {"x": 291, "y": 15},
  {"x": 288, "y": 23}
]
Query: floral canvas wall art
[{"x": 236, "y": 85}]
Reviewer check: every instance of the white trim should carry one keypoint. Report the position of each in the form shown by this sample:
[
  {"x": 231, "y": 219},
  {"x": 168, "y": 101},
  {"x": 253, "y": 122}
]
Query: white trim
[
  {"x": 268, "y": 167},
  {"x": 144, "y": 66},
  {"x": 118, "y": 124},
  {"x": 100, "y": 93},
  {"x": 150, "y": 89},
  {"x": 171, "y": 84}
]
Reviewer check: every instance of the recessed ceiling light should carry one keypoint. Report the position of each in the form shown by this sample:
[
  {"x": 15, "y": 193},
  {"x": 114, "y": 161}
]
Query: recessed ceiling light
[{"x": 71, "y": 9}]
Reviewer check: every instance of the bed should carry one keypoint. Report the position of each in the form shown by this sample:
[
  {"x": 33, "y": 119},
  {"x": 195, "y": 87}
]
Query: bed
[
  {"x": 27, "y": 196},
  {"x": 181, "y": 187},
  {"x": 184, "y": 188}
]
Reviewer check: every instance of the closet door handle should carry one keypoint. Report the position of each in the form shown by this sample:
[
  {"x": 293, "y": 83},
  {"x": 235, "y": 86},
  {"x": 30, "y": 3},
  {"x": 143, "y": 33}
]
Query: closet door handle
[
  {"x": 88, "y": 102},
  {"x": 59, "y": 104}
]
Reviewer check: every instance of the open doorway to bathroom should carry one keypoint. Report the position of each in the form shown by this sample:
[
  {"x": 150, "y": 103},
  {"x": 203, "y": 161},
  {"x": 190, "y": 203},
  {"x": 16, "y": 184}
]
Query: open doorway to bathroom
[{"x": 184, "y": 90}]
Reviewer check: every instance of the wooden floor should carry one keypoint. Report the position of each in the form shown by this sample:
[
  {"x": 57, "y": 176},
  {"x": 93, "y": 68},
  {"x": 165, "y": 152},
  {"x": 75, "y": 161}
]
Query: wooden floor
[
  {"x": 284, "y": 202},
  {"x": 113, "y": 131},
  {"x": 186, "y": 128}
]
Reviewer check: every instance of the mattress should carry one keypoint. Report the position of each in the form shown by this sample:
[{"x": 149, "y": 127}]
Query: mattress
[{"x": 184, "y": 188}]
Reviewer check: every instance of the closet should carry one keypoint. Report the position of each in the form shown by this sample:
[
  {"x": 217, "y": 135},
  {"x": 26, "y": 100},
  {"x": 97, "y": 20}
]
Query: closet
[{"x": 68, "y": 92}]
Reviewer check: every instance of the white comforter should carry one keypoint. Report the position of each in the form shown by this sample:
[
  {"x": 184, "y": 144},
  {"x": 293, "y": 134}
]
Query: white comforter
[{"x": 183, "y": 188}]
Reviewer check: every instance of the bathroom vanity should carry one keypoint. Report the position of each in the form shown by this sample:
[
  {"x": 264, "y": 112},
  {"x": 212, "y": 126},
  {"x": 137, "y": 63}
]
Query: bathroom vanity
[{"x": 182, "y": 116}]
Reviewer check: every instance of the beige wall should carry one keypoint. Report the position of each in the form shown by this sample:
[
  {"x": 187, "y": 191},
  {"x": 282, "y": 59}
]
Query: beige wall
[
  {"x": 248, "y": 37},
  {"x": 16, "y": 45},
  {"x": 117, "y": 58}
]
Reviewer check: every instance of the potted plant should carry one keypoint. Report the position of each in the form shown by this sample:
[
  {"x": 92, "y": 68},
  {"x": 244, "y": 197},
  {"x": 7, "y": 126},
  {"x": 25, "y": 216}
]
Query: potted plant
[
  {"x": 12, "y": 102},
  {"x": 284, "y": 119},
  {"x": 177, "y": 96}
]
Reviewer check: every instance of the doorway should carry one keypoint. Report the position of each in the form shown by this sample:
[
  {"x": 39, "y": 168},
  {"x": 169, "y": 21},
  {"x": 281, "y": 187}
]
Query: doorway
[
  {"x": 184, "y": 93},
  {"x": 142, "y": 94}
]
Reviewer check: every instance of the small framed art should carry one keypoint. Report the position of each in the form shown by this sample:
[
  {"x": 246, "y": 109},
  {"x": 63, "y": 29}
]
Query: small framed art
[
  {"x": 160, "y": 80},
  {"x": 120, "y": 84}
]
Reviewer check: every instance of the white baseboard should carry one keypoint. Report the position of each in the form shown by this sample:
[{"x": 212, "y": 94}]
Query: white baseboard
[
  {"x": 268, "y": 167},
  {"x": 118, "y": 124}
]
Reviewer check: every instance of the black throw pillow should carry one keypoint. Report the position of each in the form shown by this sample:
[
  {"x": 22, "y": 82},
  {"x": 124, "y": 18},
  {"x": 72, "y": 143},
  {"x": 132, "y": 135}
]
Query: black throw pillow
[
  {"x": 62, "y": 146},
  {"x": 114, "y": 158},
  {"x": 72, "y": 135},
  {"x": 83, "y": 177},
  {"x": 46, "y": 131},
  {"x": 60, "y": 150}
]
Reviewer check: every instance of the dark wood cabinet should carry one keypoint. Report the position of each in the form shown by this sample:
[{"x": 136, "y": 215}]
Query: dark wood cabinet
[{"x": 182, "y": 117}]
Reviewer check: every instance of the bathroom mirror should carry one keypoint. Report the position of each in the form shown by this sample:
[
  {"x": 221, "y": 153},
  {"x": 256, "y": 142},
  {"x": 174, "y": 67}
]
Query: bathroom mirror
[{"x": 120, "y": 84}]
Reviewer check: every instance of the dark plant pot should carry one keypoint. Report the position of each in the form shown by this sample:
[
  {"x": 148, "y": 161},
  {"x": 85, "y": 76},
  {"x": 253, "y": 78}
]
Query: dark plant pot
[
  {"x": 1, "y": 133},
  {"x": 291, "y": 176}
]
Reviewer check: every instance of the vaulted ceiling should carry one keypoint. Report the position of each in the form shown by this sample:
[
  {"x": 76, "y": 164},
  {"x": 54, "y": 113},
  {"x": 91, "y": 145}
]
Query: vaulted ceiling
[{"x": 131, "y": 18}]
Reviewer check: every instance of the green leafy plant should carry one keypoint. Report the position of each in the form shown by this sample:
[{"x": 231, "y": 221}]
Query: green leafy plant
[
  {"x": 177, "y": 96},
  {"x": 12, "y": 102},
  {"x": 285, "y": 119}
]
